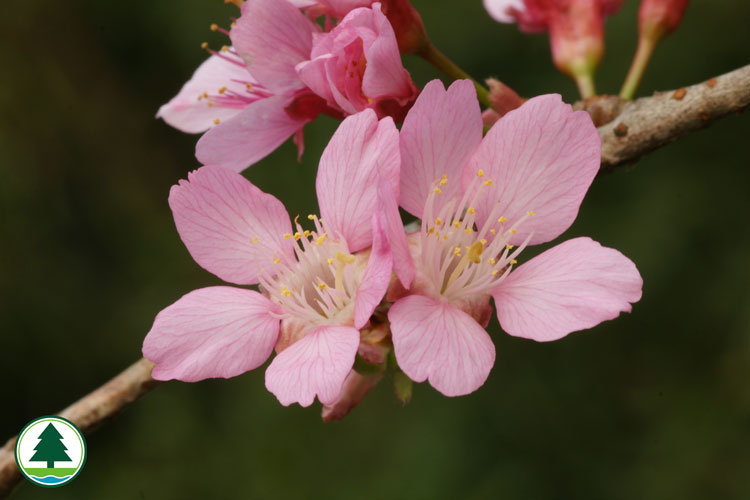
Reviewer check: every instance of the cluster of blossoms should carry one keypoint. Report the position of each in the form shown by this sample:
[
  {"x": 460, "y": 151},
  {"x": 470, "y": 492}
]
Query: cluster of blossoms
[{"x": 344, "y": 296}]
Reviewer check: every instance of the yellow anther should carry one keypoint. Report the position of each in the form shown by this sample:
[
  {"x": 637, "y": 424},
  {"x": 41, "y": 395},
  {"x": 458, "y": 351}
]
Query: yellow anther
[
  {"x": 369, "y": 100},
  {"x": 344, "y": 258},
  {"x": 285, "y": 292},
  {"x": 509, "y": 246},
  {"x": 204, "y": 45},
  {"x": 216, "y": 121},
  {"x": 233, "y": 25},
  {"x": 456, "y": 224},
  {"x": 431, "y": 230},
  {"x": 513, "y": 231},
  {"x": 468, "y": 230},
  {"x": 311, "y": 217},
  {"x": 249, "y": 86},
  {"x": 513, "y": 262},
  {"x": 457, "y": 251},
  {"x": 276, "y": 260},
  {"x": 330, "y": 261},
  {"x": 222, "y": 90},
  {"x": 493, "y": 231},
  {"x": 444, "y": 180},
  {"x": 438, "y": 191},
  {"x": 321, "y": 239},
  {"x": 224, "y": 48},
  {"x": 492, "y": 261},
  {"x": 445, "y": 237},
  {"x": 480, "y": 173},
  {"x": 475, "y": 252},
  {"x": 210, "y": 104},
  {"x": 483, "y": 241},
  {"x": 531, "y": 213},
  {"x": 487, "y": 182},
  {"x": 214, "y": 27},
  {"x": 306, "y": 233},
  {"x": 287, "y": 236},
  {"x": 322, "y": 286},
  {"x": 254, "y": 240},
  {"x": 297, "y": 236},
  {"x": 502, "y": 220},
  {"x": 205, "y": 95},
  {"x": 471, "y": 210},
  {"x": 494, "y": 272},
  {"x": 438, "y": 221}
]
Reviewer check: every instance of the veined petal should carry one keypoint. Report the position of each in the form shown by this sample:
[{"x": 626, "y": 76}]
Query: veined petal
[
  {"x": 249, "y": 136},
  {"x": 403, "y": 264},
  {"x": 436, "y": 341},
  {"x": 211, "y": 332},
  {"x": 439, "y": 135},
  {"x": 272, "y": 36},
  {"x": 219, "y": 214},
  {"x": 361, "y": 151},
  {"x": 377, "y": 275},
  {"x": 189, "y": 111},
  {"x": 315, "y": 365},
  {"x": 572, "y": 286},
  {"x": 542, "y": 158}
]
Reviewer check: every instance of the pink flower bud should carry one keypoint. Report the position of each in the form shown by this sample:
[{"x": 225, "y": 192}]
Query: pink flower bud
[
  {"x": 355, "y": 388},
  {"x": 657, "y": 18},
  {"x": 407, "y": 24}
]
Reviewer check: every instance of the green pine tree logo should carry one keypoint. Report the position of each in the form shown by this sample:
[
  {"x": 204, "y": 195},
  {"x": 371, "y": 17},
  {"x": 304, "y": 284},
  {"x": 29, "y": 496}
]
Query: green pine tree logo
[{"x": 50, "y": 448}]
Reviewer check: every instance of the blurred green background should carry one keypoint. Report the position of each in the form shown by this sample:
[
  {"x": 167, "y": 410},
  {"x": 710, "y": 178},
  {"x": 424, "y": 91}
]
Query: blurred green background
[{"x": 654, "y": 405}]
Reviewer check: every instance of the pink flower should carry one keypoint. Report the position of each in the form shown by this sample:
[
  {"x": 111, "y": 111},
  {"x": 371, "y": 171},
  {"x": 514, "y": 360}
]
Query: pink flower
[
  {"x": 253, "y": 96},
  {"x": 481, "y": 202},
  {"x": 357, "y": 65},
  {"x": 320, "y": 286},
  {"x": 575, "y": 27}
]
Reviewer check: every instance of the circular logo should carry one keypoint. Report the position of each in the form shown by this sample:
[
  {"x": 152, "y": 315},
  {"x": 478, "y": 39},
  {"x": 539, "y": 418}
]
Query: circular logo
[{"x": 50, "y": 451}]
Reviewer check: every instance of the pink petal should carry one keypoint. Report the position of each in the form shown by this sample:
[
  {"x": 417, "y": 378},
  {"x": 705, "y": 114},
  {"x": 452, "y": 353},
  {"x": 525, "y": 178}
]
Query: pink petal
[
  {"x": 385, "y": 75},
  {"x": 361, "y": 151},
  {"x": 573, "y": 286},
  {"x": 541, "y": 157},
  {"x": 188, "y": 113},
  {"x": 218, "y": 214},
  {"x": 438, "y": 137},
  {"x": 340, "y": 8},
  {"x": 317, "y": 364},
  {"x": 377, "y": 274},
  {"x": 212, "y": 332},
  {"x": 403, "y": 264},
  {"x": 272, "y": 36},
  {"x": 436, "y": 341},
  {"x": 249, "y": 136}
]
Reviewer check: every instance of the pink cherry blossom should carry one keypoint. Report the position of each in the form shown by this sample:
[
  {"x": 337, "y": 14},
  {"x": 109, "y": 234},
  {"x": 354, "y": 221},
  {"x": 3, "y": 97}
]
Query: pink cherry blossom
[
  {"x": 319, "y": 286},
  {"x": 280, "y": 73},
  {"x": 357, "y": 65},
  {"x": 481, "y": 202}
]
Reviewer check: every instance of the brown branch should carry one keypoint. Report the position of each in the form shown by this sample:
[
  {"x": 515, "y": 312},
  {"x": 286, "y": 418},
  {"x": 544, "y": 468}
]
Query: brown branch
[
  {"x": 88, "y": 413},
  {"x": 631, "y": 129}
]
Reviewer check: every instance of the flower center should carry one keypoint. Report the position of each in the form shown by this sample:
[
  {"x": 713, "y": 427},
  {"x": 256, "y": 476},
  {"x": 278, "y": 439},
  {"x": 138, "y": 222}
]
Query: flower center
[
  {"x": 318, "y": 284},
  {"x": 459, "y": 258}
]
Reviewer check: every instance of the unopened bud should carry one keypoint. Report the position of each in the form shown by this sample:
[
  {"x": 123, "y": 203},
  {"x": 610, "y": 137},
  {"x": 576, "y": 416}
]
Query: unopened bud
[
  {"x": 403, "y": 387},
  {"x": 355, "y": 388},
  {"x": 576, "y": 31},
  {"x": 502, "y": 97},
  {"x": 407, "y": 24},
  {"x": 657, "y": 18}
]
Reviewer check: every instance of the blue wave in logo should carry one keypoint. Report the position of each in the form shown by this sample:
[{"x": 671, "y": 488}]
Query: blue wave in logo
[{"x": 51, "y": 479}]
